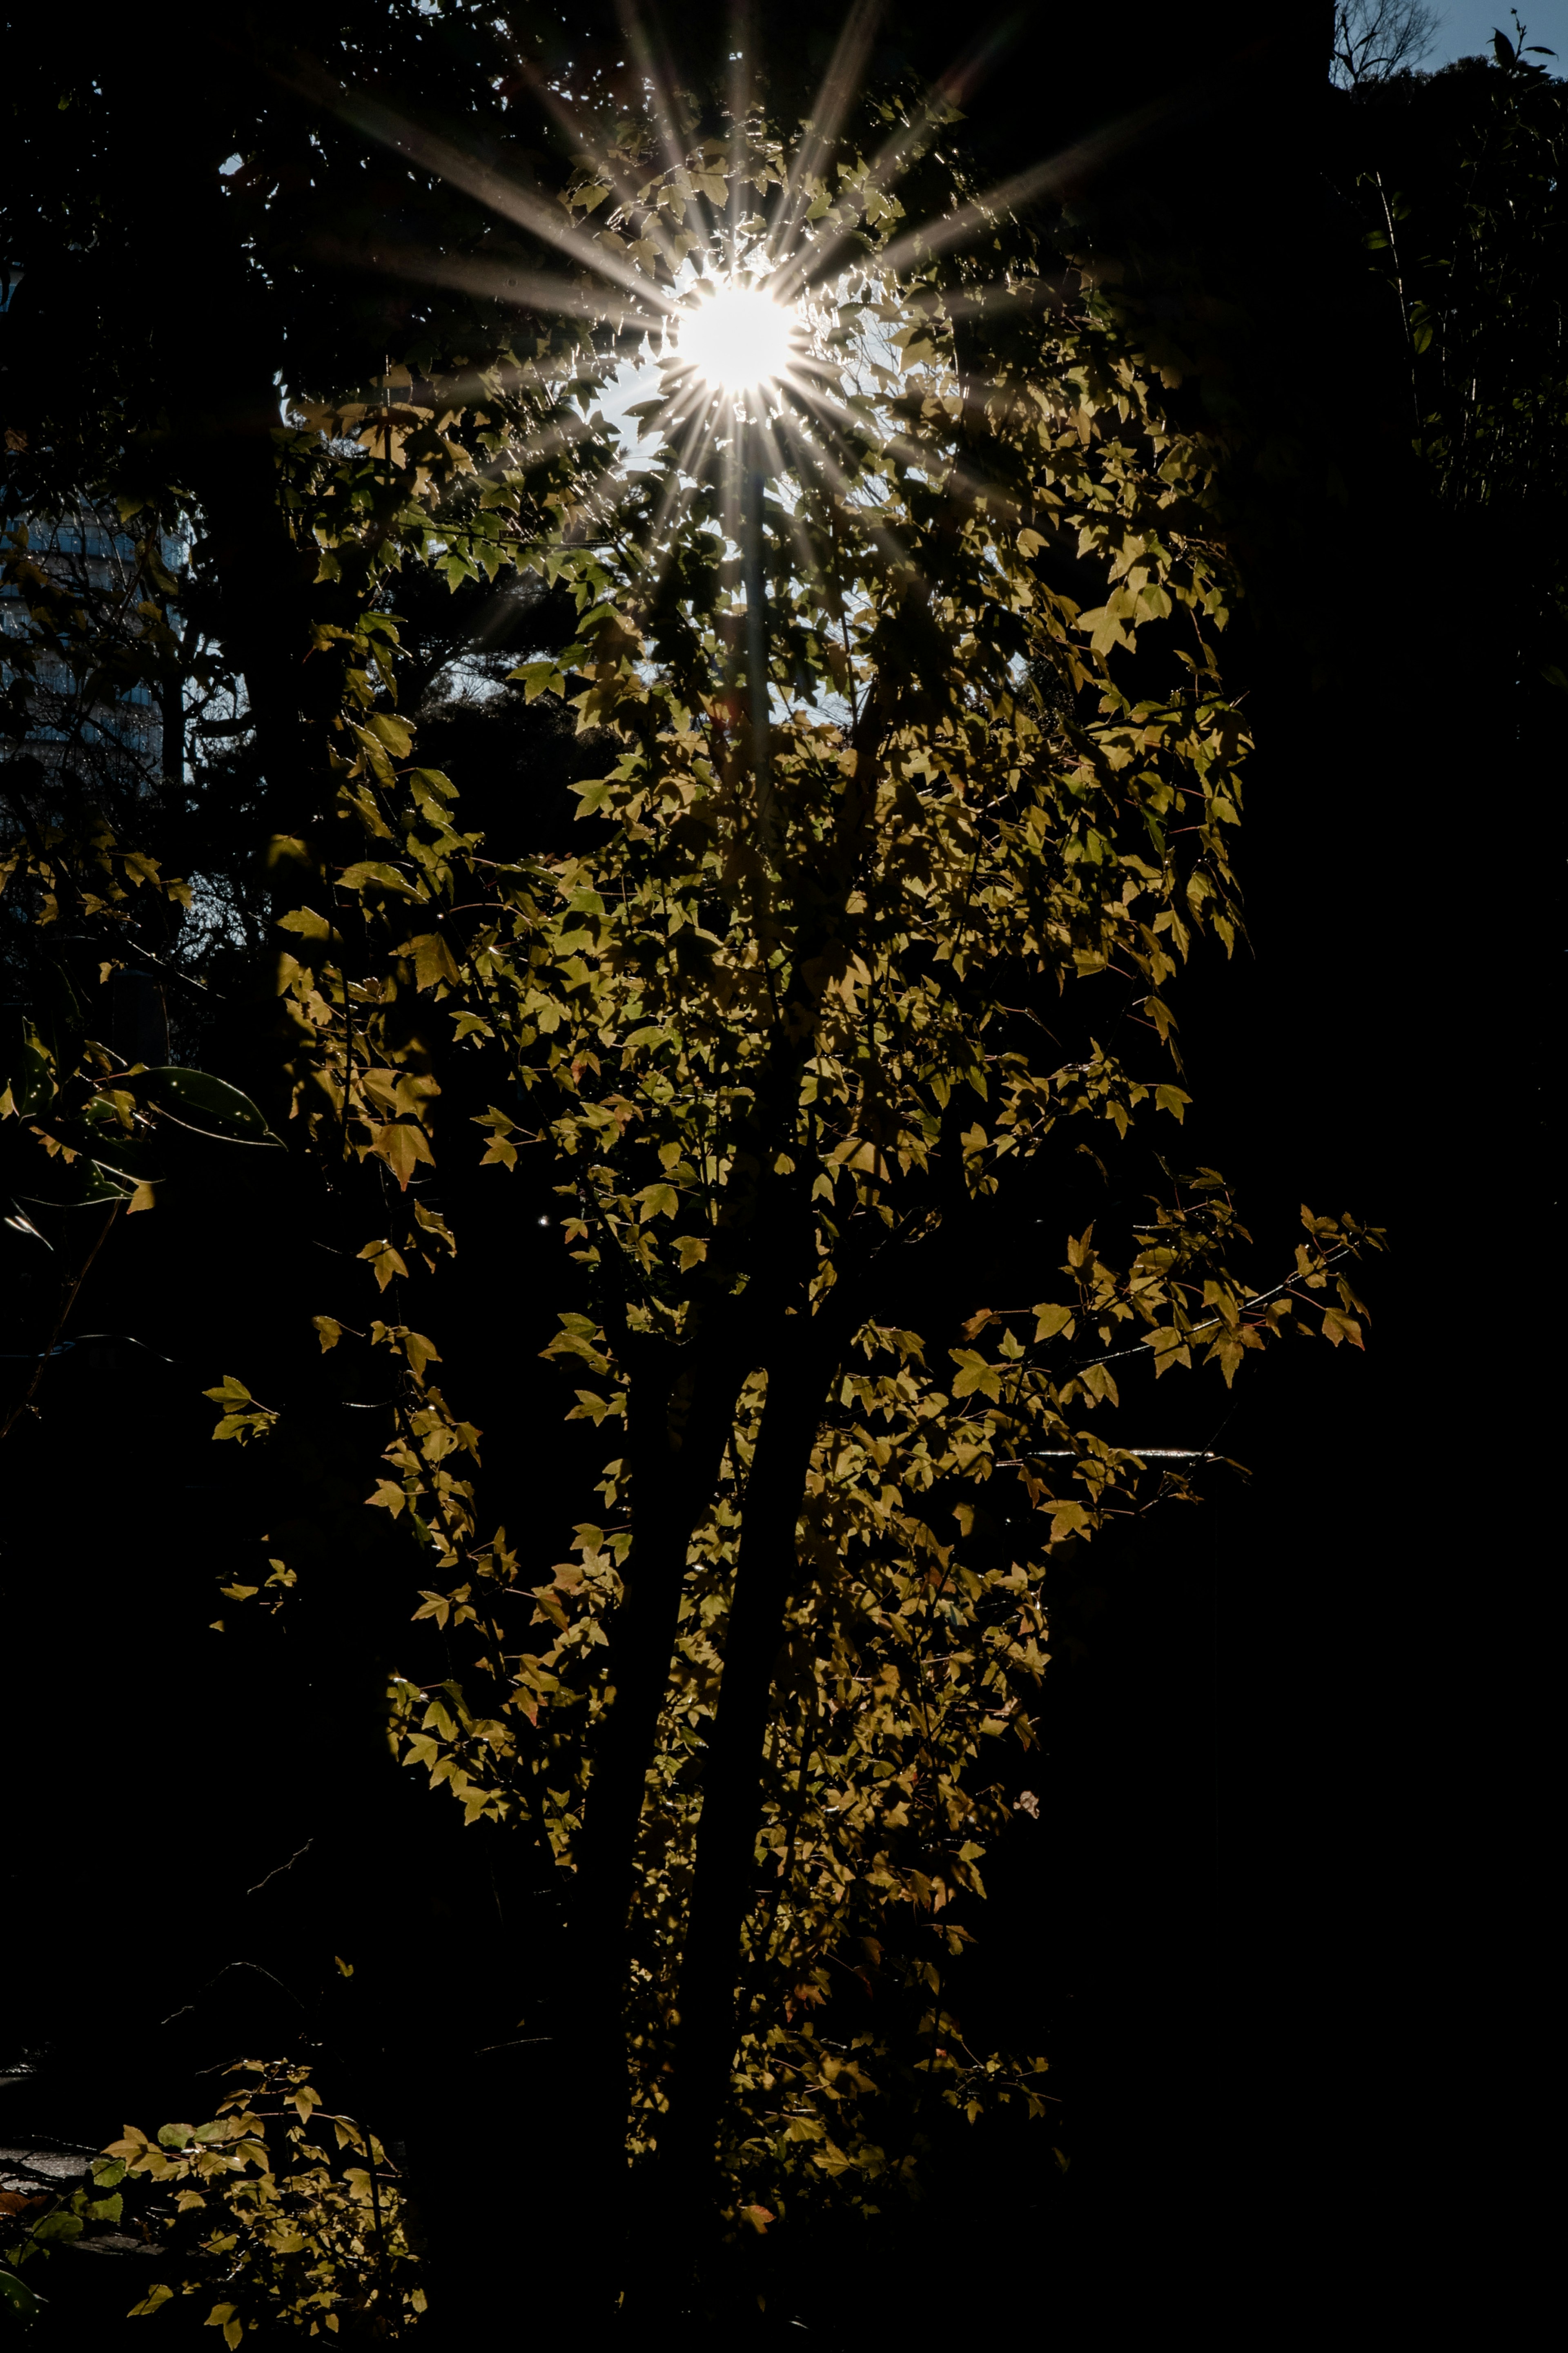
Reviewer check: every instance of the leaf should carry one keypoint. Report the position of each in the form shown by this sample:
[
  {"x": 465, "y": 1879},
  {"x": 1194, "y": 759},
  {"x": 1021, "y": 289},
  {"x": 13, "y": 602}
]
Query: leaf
[
  {"x": 208, "y": 1106},
  {"x": 27, "y": 1065},
  {"x": 356, "y": 878},
  {"x": 975, "y": 1373},
  {"x": 394, "y": 734},
  {"x": 433, "y": 960},
  {"x": 385, "y": 1263},
  {"x": 245, "y": 1417},
  {"x": 1337, "y": 1326},
  {"x": 75, "y": 1184},
  {"x": 307, "y": 922},
  {"x": 1049, "y": 1320},
  {"x": 692, "y": 1251},
  {"x": 402, "y": 1147},
  {"x": 153, "y": 2301},
  {"x": 431, "y": 1221},
  {"x": 18, "y": 2297}
]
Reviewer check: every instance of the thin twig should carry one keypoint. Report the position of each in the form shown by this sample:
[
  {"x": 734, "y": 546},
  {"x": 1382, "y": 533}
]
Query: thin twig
[{"x": 25, "y": 1400}]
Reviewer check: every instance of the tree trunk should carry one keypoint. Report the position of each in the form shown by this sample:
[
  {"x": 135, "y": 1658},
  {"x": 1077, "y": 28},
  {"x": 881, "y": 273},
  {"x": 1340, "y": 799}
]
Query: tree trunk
[
  {"x": 673, "y": 1485},
  {"x": 674, "y": 2217}
]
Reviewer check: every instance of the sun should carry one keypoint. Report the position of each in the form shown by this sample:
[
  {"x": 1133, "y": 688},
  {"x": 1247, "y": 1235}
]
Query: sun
[{"x": 738, "y": 338}]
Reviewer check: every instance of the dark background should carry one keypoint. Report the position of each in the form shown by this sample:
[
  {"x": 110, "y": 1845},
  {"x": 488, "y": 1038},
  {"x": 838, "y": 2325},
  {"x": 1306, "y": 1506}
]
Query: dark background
[{"x": 1276, "y": 1920}]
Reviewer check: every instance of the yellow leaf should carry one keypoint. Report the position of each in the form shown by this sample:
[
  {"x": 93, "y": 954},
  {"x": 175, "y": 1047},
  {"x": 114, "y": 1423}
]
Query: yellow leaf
[
  {"x": 402, "y": 1147},
  {"x": 386, "y": 1261},
  {"x": 1049, "y": 1320},
  {"x": 307, "y": 922}
]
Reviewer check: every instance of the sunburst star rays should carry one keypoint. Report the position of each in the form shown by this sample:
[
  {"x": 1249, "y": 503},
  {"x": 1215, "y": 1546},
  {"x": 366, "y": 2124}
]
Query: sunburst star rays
[{"x": 738, "y": 279}]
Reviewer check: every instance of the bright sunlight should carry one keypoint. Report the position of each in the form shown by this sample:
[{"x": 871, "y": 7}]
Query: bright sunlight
[{"x": 738, "y": 339}]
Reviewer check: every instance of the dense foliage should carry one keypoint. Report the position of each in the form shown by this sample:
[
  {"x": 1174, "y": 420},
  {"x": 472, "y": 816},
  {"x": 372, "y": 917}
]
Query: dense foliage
[{"x": 813, "y": 985}]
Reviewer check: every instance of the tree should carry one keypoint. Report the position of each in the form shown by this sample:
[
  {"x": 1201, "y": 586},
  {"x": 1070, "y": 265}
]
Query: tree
[
  {"x": 1459, "y": 184},
  {"x": 864, "y": 906},
  {"x": 1374, "y": 39}
]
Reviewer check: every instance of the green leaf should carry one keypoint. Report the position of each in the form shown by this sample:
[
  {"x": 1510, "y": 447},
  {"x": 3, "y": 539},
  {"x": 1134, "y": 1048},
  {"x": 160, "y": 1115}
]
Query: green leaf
[
  {"x": 18, "y": 2297},
  {"x": 537, "y": 678},
  {"x": 206, "y": 1106},
  {"x": 78, "y": 1183},
  {"x": 433, "y": 960},
  {"x": 356, "y": 878},
  {"x": 58, "y": 2226},
  {"x": 394, "y": 732}
]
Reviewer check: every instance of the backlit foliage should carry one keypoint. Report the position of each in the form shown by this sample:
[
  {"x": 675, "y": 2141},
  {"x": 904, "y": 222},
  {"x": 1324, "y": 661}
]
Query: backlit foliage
[{"x": 793, "y": 1004}]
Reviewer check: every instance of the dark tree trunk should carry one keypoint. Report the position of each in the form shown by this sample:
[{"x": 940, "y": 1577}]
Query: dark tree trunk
[
  {"x": 675, "y": 2214},
  {"x": 674, "y": 1473}
]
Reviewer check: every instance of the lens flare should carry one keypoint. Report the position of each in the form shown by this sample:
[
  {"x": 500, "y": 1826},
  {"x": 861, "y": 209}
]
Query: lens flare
[{"x": 738, "y": 339}]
